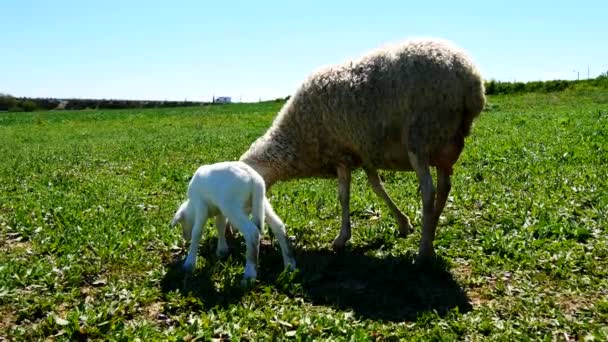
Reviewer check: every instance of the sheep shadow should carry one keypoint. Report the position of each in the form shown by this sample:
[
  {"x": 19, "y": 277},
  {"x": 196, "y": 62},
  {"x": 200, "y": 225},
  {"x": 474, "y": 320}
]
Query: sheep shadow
[{"x": 390, "y": 288}]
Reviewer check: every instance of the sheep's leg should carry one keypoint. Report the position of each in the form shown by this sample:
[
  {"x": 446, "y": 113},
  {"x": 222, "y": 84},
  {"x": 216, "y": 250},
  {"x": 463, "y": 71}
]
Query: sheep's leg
[
  {"x": 423, "y": 172},
  {"x": 344, "y": 195},
  {"x": 405, "y": 226},
  {"x": 197, "y": 231},
  {"x": 444, "y": 185},
  {"x": 278, "y": 230},
  {"x": 252, "y": 241},
  {"x": 222, "y": 245}
]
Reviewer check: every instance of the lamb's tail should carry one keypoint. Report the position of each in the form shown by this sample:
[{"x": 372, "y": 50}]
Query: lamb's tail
[
  {"x": 257, "y": 203},
  {"x": 475, "y": 101}
]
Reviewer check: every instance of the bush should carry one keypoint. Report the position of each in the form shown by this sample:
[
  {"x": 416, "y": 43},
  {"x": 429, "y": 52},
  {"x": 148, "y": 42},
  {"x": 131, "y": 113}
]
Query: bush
[
  {"x": 494, "y": 87},
  {"x": 28, "y": 106},
  {"x": 7, "y": 102}
]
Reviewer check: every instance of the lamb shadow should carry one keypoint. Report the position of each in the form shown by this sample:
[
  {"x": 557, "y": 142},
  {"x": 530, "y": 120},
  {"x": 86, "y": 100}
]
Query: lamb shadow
[
  {"x": 390, "y": 288},
  {"x": 200, "y": 284}
]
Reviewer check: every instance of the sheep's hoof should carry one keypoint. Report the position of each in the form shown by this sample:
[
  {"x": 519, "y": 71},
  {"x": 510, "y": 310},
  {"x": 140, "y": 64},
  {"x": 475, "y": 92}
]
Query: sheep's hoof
[
  {"x": 338, "y": 245},
  {"x": 405, "y": 227},
  {"x": 341, "y": 240},
  {"x": 427, "y": 259},
  {"x": 405, "y": 232}
]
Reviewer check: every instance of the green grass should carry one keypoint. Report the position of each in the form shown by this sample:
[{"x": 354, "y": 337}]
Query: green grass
[{"x": 86, "y": 251}]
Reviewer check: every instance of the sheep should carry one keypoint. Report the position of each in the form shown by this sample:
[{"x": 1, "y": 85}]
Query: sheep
[
  {"x": 406, "y": 106},
  {"x": 229, "y": 191}
]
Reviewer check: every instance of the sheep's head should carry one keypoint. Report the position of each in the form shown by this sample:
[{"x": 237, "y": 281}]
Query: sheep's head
[
  {"x": 185, "y": 220},
  {"x": 272, "y": 156},
  {"x": 262, "y": 167},
  {"x": 267, "y": 173}
]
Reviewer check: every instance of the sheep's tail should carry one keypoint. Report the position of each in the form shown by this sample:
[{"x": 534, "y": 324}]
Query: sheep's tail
[
  {"x": 257, "y": 202},
  {"x": 475, "y": 101}
]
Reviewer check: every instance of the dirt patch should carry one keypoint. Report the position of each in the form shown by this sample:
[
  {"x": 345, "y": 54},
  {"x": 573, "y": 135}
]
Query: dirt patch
[
  {"x": 62, "y": 310},
  {"x": 476, "y": 293},
  {"x": 7, "y": 320},
  {"x": 154, "y": 313},
  {"x": 89, "y": 293},
  {"x": 14, "y": 244},
  {"x": 153, "y": 310},
  {"x": 477, "y": 298},
  {"x": 574, "y": 305},
  {"x": 463, "y": 270}
]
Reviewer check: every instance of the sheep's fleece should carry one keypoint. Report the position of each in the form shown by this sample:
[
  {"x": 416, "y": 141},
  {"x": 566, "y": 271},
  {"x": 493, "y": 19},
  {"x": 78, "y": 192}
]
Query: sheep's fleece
[{"x": 406, "y": 106}]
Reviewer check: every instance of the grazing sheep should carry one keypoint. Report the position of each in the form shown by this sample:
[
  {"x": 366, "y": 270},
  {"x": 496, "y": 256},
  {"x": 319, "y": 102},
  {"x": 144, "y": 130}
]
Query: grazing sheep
[
  {"x": 229, "y": 190},
  {"x": 407, "y": 106}
]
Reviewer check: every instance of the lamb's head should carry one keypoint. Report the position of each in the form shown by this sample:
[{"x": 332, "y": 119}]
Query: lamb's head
[{"x": 186, "y": 220}]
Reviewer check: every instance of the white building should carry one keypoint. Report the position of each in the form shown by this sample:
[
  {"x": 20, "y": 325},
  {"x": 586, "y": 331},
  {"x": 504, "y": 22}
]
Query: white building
[{"x": 223, "y": 99}]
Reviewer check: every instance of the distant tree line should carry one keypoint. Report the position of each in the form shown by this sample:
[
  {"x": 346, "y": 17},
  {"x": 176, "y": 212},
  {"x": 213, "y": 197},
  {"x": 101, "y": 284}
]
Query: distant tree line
[
  {"x": 493, "y": 87},
  {"x": 497, "y": 87},
  {"x": 23, "y": 104}
]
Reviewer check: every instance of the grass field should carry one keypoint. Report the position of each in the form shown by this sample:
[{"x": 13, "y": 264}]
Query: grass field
[{"x": 86, "y": 252}]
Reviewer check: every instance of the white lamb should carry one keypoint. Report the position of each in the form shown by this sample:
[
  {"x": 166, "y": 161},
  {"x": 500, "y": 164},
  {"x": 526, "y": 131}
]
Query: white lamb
[{"x": 230, "y": 191}]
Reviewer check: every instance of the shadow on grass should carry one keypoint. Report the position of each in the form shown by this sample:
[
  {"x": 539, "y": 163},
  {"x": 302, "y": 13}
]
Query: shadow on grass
[
  {"x": 390, "y": 288},
  {"x": 200, "y": 284}
]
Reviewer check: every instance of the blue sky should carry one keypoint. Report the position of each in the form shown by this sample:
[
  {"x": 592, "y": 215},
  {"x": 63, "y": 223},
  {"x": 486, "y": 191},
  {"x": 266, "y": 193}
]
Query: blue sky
[{"x": 263, "y": 49}]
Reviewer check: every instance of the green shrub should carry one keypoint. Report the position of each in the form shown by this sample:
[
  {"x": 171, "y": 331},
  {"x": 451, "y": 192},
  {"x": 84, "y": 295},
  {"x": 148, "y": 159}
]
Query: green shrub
[
  {"x": 7, "y": 102},
  {"x": 494, "y": 87},
  {"x": 28, "y": 106}
]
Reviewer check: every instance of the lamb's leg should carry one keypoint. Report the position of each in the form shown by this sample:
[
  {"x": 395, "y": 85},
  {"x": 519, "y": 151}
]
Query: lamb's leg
[
  {"x": 222, "y": 250},
  {"x": 278, "y": 230},
  {"x": 197, "y": 231},
  {"x": 252, "y": 241},
  {"x": 405, "y": 227},
  {"x": 344, "y": 195},
  {"x": 421, "y": 166},
  {"x": 444, "y": 185}
]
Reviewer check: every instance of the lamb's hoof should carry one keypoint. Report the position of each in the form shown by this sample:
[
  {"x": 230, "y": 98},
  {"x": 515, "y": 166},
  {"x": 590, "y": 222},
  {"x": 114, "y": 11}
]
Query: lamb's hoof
[
  {"x": 222, "y": 254},
  {"x": 188, "y": 267},
  {"x": 291, "y": 266},
  {"x": 187, "y": 281},
  {"x": 247, "y": 283}
]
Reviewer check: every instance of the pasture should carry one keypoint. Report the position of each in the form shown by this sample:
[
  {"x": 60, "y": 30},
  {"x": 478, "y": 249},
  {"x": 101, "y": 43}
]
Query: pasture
[{"x": 86, "y": 198}]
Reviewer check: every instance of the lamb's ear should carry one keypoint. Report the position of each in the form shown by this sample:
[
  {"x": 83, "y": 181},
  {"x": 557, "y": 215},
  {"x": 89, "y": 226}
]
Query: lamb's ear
[{"x": 179, "y": 215}]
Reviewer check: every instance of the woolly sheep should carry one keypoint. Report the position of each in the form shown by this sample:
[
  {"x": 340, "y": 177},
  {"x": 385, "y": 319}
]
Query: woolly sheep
[
  {"x": 406, "y": 106},
  {"x": 230, "y": 190}
]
